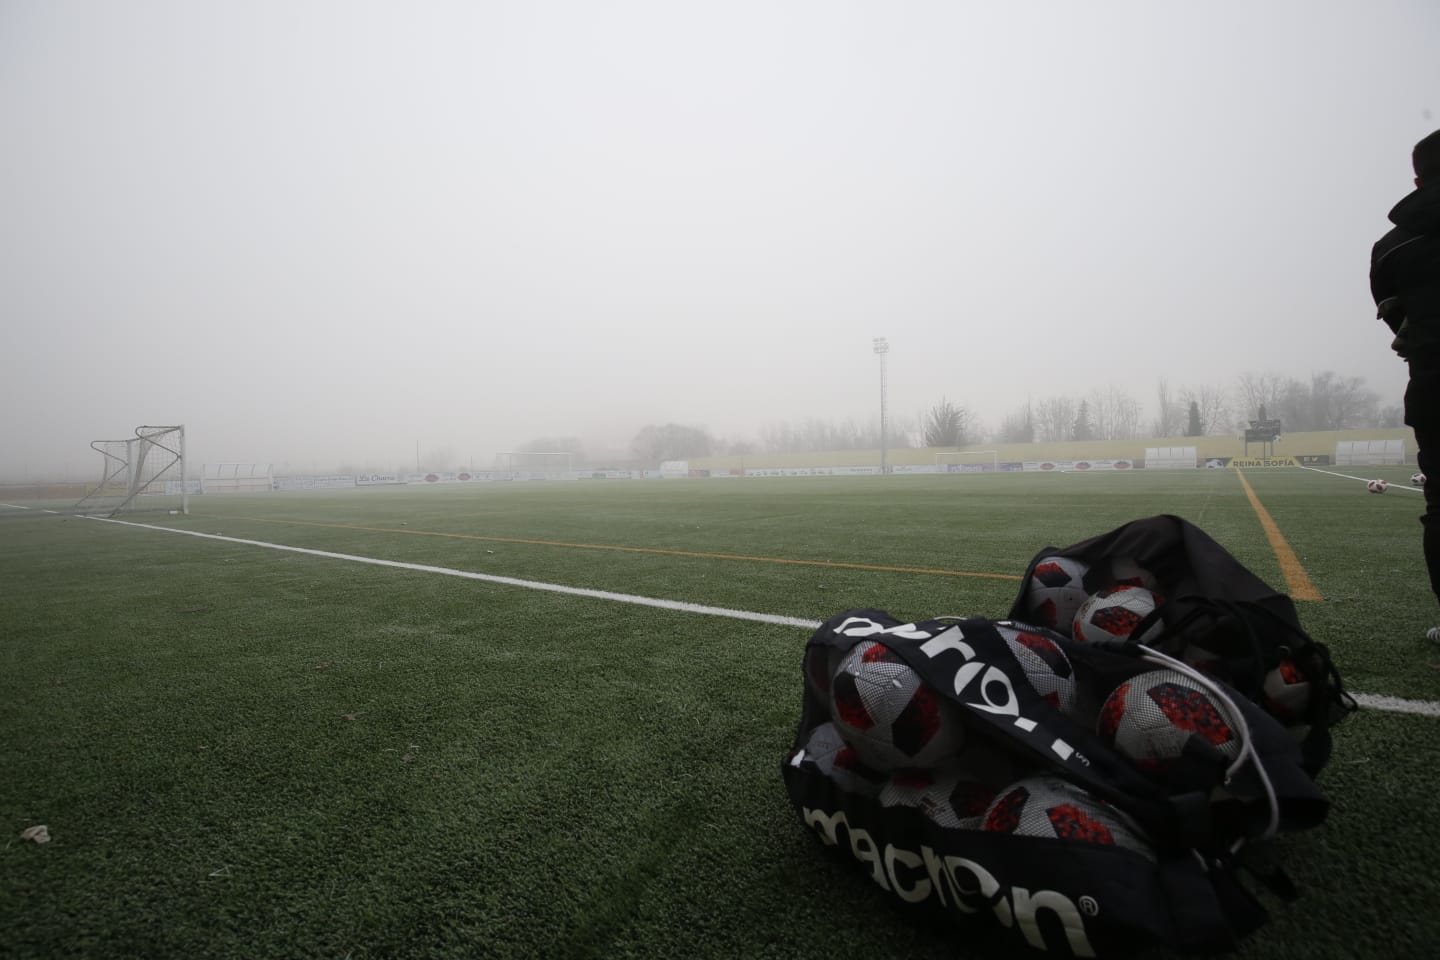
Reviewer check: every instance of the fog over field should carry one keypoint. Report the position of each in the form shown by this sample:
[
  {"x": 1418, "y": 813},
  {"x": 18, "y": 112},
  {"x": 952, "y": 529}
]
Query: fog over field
[{"x": 330, "y": 232}]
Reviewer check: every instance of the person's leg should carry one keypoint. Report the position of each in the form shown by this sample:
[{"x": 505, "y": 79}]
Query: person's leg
[{"x": 1429, "y": 452}]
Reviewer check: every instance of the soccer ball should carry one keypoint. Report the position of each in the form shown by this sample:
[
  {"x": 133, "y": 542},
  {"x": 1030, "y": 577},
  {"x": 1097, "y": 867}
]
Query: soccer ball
[
  {"x": 839, "y": 761},
  {"x": 892, "y": 718},
  {"x": 1125, "y": 572},
  {"x": 1154, "y": 718},
  {"x": 1045, "y": 664},
  {"x": 1417, "y": 479},
  {"x": 1114, "y": 613},
  {"x": 953, "y": 798},
  {"x": 1046, "y": 806},
  {"x": 1055, "y": 591},
  {"x": 1376, "y": 486},
  {"x": 1286, "y": 693}
]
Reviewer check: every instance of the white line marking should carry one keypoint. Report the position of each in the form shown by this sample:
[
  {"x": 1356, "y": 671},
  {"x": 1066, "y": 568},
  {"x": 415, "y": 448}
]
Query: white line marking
[
  {"x": 1423, "y": 708},
  {"x": 1346, "y": 476},
  {"x": 491, "y": 578},
  {"x": 14, "y": 506}
]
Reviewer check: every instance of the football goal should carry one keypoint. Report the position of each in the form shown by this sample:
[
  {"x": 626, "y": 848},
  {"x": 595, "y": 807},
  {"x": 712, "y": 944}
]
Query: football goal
[
  {"x": 515, "y": 465},
  {"x": 144, "y": 472},
  {"x": 980, "y": 461}
]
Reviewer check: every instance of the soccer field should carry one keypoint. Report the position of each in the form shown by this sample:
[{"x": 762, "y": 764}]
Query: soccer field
[{"x": 531, "y": 720}]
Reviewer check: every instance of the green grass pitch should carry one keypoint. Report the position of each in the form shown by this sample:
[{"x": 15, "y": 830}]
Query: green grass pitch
[{"x": 242, "y": 752}]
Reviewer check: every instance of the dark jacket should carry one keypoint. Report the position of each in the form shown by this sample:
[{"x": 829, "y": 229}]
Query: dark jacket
[
  {"x": 1405, "y": 267},
  {"x": 1405, "y": 281}
]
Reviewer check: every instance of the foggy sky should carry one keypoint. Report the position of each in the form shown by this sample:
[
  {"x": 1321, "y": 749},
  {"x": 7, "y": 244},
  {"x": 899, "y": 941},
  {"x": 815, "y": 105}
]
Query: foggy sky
[{"x": 322, "y": 232}]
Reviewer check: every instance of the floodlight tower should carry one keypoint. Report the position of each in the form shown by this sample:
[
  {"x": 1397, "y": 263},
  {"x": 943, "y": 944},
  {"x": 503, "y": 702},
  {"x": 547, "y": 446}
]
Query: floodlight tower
[{"x": 882, "y": 350}]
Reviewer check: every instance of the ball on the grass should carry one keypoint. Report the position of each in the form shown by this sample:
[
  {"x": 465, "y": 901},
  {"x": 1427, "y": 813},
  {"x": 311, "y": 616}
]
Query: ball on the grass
[
  {"x": 1376, "y": 486},
  {"x": 894, "y": 719},
  {"x": 1047, "y": 806},
  {"x": 1055, "y": 591},
  {"x": 1417, "y": 479},
  {"x": 1156, "y": 717},
  {"x": 1115, "y": 613}
]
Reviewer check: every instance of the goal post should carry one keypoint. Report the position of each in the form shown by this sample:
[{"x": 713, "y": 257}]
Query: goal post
[
  {"x": 957, "y": 457},
  {"x": 522, "y": 465},
  {"x": 143, "y": 472}
]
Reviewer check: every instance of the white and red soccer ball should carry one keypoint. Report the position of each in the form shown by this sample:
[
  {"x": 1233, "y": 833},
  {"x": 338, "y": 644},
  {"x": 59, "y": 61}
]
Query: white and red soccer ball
[
  {"x": 1045, "y": 664},
  {"x": 1377, "y": 486},
  {"x": 1156, "y": 717},
  {"x": 1115, "y": 614},
  {"x": 956, "y": 797},
  {"x": 1054, "y": 591},
  {"x": 893, "y": 718},
  {"x": 1047, "y": 806},
  {"x": 1126, "y": 572},
  {"x": 838, "y": 760},
  {"x": 1286, "y": 693}
]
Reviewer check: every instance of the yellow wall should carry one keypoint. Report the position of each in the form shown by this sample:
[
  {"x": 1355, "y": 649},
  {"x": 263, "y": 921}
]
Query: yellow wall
[{"x": 1291, "y": 444}]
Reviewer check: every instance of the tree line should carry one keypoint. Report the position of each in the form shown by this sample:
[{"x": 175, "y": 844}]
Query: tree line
[{"x": 1324, "y": 401}]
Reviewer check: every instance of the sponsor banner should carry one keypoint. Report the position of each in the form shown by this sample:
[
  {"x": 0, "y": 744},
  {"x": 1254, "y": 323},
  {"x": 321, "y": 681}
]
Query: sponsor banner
[
  {"x": 459, "y": 476},
  {"x": 1249, "y": 462},
  {"x": 1215, "y": 463},
  {"x": 311, "y": 483},
  {"x": 915, "y": 468},
  {"x": 1314, "y": 459},
  {"x": 1077, "y": 466},
  {"x": 817, "y": 471},
  {"x": 1007, "y": 466},
  {"x": 724, "y": 472},
  {"x": 606, "y": 475},
  {"x": 376, "y": 479}
]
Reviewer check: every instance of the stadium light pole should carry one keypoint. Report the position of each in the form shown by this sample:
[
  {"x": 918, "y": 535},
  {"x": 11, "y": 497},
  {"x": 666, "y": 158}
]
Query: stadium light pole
[{"x": 882, "y": 350}]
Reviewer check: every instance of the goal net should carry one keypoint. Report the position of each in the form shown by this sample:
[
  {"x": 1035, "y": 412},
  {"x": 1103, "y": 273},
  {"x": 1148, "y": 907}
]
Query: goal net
[
  {"x": 514, "y": 465},
  {"x": 144, "y": 472}
]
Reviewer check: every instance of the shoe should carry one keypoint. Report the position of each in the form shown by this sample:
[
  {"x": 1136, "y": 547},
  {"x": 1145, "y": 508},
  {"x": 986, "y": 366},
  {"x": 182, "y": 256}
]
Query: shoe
[{"x": 1433, "y": 635}]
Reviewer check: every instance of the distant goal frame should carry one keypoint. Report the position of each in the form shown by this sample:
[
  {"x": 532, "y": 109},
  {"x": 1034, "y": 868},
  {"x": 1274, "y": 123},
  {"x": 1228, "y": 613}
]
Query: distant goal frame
[
  {"x": 143, "y": 472},
  {"x": 508, "y": 472},
  {"x": 994, "y": 456}
]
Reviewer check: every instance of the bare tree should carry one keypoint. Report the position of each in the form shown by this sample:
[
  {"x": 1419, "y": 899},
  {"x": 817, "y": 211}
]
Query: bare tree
[
  {"x": 1341, "y": 403},
  {"x": 1213, "y": 405},
  {"x": 1017, "y": 427},
  {"x": 1171, "y": 419},
  {"x": 1055, "y": 418},
  {"x": 1259, "y": 390},
  {"x": 1114, "y": 414},
  {"x": 671, "y": 441}
]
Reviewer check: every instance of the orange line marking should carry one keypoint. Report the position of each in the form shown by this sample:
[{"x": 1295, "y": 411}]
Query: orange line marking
[
  {"x": 1298, "y": 581},
  {"x": 655, "y": 550}
]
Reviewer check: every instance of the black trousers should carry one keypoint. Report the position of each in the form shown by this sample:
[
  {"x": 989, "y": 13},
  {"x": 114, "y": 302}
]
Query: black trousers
[
  {"x": 1428, "y": 441},
  {"x": 1422, "y": 413}
]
